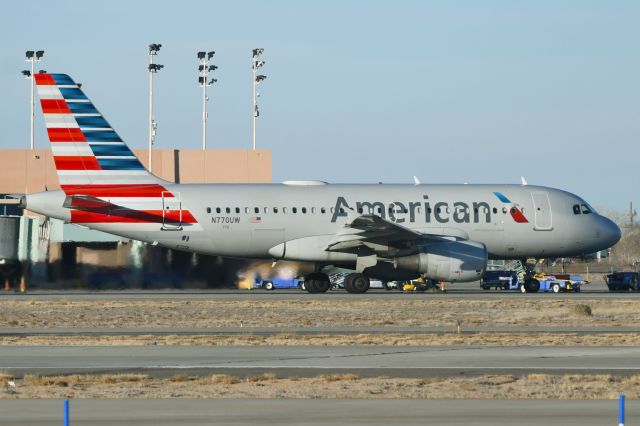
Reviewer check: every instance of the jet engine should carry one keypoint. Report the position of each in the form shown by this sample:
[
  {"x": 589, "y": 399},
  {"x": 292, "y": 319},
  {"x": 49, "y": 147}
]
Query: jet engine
[{"x": 448, "y": 261}]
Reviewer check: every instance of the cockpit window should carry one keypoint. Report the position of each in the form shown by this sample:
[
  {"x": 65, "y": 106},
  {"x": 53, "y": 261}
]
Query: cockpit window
[
  {"x": 585, "y": 209},
  {"x": 576, "y": 209}
]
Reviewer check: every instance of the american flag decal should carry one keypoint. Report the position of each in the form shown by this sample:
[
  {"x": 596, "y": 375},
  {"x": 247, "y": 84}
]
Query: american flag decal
[{"x": 255, "y": 219}]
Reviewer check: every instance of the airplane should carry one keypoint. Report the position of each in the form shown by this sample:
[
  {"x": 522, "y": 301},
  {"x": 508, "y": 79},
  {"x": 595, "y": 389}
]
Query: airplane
[{"x": 388, "y": 231}]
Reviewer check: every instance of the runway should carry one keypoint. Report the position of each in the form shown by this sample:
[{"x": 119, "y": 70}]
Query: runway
[
  {"x": 315, "y": 412},
  {"x": 285, "y": 361}
]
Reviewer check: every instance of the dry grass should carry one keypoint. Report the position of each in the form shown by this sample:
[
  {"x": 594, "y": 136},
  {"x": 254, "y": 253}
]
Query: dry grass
[
  {"x": 582, "y": 310},
  {"x": 340, "y": 386},
  {"x": 405, "y": 312},
  {"x": 338, "y": 377},
  {"x": 392, "y": 339}
]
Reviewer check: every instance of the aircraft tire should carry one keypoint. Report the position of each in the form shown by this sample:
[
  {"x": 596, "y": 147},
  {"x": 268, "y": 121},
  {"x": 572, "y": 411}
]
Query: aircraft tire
[
  {"x": 317, "y": 283},
  {"x": 356, "y": 283},
  {"x": 532, "y": 285}
]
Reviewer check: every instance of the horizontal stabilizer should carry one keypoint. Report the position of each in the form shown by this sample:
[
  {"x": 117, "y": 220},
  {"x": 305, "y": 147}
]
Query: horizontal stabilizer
[{"x": 86, "y": 202}]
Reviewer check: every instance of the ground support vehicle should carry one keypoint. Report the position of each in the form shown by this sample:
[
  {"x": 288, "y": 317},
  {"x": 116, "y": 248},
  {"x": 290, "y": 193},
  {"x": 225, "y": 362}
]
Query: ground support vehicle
[
  {"x": 275, "y": 282},
  {"x": 500, "y": 280},
  {"x": 623, "y": 281},
  {"x": 559, "y": 283}
]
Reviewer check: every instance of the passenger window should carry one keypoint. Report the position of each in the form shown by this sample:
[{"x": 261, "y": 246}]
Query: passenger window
[
  {"x": 304, "y": 210},
  {"x": 341, "y": 210},
  {"x": 217, "y": 209},
  {"x": 275, "y": 210},
  {"x": 585, "y": 209},
  {"x": 246, "y": 210},
  {"x": 294, "y": 210},
  {"x": 419, "y": 210},
  {"x": 313, "y": 210},
  {"x": 360, "y": 210},
  {"x": 576, "y": 209},
  {"x": 284, "y": 210},
  {"x": 237, "y": 210},
  {"x": 323, "y": 210},
  {"x": 495, "y": 210},
  {"x": 332, "y": 210},
  {"x": 266, "y": 209},
  {"x": 256, "y": 210},
  {"x": 228, "y": 210},
  {"x": 504, "y": 210},
  {"x": 208, "y": 209}
]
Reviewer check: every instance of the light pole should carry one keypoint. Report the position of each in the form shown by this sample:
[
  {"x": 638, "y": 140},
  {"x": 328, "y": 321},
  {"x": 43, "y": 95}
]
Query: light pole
[
  {"x": 153, "y": 68},
  {"x": 256, "y": 63},
  {"x": 33, "y": 57},
  {"x": 204, "y": 68}
]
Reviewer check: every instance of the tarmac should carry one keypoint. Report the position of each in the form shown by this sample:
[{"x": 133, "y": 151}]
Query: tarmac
[
  {"x": 316, "y": 412},
  {"x": 304, "y": 361},
  {"x": 593, "y": 290}
]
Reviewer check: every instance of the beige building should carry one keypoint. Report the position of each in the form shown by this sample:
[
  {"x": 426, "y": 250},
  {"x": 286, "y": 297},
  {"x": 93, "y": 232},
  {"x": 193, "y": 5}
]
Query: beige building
[{"x": 25, "y": 171}]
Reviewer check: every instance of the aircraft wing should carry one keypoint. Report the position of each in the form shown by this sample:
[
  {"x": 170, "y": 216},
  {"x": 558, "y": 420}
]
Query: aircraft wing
[{"x": 383, "y": 236}]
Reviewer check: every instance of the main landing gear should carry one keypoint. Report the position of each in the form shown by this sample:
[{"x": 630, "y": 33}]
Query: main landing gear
[
  {"x": 356, "y": 283},
  {"x": 317, "y": 282}
]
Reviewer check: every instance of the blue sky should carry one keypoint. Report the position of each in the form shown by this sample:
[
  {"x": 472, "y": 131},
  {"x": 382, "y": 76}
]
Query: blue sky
[{"x": 361, "y": 91}]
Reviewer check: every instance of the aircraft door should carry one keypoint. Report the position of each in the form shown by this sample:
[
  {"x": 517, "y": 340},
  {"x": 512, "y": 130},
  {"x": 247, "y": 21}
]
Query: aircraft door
[
  {"x": 542, "y": 211},
  {"x": 171, "y": 211}
]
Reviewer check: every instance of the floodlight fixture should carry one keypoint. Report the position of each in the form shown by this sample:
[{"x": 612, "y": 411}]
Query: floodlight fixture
[
  {"x": 204, "y": 69},
  {"x": 32, "y": 56},
  {"x": 255, "y": 65},
  {"x": 153, "y": 68}
]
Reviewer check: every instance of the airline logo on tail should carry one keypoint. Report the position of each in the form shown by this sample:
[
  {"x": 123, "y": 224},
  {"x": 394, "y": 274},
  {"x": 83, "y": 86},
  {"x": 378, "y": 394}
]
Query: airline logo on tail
[{"x": 92, "y": 161}]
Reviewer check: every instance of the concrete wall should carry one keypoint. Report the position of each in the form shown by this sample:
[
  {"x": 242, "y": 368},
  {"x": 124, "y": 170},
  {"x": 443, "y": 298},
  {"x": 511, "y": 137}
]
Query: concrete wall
[{"x": 24, "y": 171}]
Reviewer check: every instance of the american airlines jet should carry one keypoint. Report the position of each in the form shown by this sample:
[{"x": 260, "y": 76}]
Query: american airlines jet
[{"x": 441, "y": 232}]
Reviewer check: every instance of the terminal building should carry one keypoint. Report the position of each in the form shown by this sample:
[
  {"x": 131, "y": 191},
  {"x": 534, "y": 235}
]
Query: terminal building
[{"x": 37, "y": 252}]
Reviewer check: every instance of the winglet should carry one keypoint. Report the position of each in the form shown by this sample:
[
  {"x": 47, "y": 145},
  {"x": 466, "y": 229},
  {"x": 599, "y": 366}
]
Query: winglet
[
  {"x": 523, "y": 180},
  {"x": 416, "y": 181}
]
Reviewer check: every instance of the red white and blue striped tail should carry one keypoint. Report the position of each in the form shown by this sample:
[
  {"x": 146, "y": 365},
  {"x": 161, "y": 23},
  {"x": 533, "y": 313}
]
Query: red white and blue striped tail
[{"x": 86, "y": 149}]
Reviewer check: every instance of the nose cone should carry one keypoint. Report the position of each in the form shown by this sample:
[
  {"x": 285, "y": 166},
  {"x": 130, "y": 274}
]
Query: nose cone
[{"x": 609, "y": 232}]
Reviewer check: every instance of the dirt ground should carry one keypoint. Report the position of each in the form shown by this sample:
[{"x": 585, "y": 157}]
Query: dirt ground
[
  {"x": 394, "y": 339},
  {"x": 319, "y": 313},
  {"x": 343, "y": 386}
]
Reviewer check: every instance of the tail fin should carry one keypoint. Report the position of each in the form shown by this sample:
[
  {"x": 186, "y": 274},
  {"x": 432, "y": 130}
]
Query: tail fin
[{"x": 87, "y": 152}]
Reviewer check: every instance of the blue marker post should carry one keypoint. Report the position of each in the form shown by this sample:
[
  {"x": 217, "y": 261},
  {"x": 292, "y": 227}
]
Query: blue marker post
[
  {"x": 66, "y": 412},
  {"x": 621, "y": 411}
]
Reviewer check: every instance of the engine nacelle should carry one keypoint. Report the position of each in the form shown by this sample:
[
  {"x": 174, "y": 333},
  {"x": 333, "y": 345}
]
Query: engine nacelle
[{"x": 447, "y": 261}]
